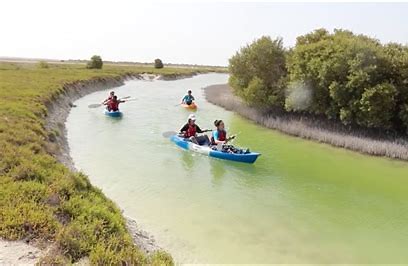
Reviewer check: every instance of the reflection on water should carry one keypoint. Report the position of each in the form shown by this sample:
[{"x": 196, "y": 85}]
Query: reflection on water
[
  {"x": 301, "y": 202},
  {"x": 187, "y": 160}
]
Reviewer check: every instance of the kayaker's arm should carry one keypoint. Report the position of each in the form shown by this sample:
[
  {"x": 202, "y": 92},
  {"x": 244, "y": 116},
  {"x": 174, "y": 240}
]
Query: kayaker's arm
[
  {"x": 230, "y": 138},
  {"x": 199, "y": 130},
  {"x": 184, "y": 128}
]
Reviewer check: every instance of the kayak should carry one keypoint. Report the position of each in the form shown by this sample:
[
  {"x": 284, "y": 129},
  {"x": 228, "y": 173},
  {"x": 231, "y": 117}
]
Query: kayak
[
  {"x": 113, "y": 113},
  {"x": 192, "y": 106},
  {"x": 206, "y": 150}
]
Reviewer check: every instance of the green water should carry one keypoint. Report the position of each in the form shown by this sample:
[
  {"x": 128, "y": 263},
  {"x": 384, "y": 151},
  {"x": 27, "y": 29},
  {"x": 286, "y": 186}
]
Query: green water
[{"x": 301, "y": 202}]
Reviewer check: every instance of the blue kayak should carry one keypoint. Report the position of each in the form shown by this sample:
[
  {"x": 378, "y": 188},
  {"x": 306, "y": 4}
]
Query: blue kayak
[
  {"x": 113, "y": 113},
  {"x": 206, "y": 150}
]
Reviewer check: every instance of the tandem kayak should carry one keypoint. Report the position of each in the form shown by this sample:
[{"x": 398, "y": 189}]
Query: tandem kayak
[
  {"x": 113, "y": 113},
  {"x": 206, "y": 150},
  {"x": 192, "y": 106}
]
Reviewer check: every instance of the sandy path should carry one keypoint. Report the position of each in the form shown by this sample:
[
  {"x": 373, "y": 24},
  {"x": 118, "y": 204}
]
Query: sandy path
[{"x": 18, "y": 253}]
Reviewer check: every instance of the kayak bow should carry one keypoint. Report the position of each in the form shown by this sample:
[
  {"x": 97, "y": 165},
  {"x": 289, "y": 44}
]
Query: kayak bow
[
  {"x": 192, "y": 106},
  {"x": 113, "y": 113},
  {"x": 187, "y": 145}
]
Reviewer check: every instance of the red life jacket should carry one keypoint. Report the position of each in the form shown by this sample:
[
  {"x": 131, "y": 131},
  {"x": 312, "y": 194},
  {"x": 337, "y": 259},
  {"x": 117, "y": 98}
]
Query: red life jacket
[
  {"x": 222, "y": 136},
  {"x": 191, "y": 131},
  {"x": 113, "y": 105}
]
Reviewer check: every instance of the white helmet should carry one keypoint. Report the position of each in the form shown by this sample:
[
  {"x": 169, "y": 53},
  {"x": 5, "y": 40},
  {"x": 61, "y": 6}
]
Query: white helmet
[{"x": 192, "y": 117}]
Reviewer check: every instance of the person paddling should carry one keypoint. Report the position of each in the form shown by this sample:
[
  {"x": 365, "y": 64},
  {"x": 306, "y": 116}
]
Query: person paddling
[
  {"x": 189, "y": 131},
  {"x": 111, "y": 95},
  {"x": 219, "y": 136},
  {"x": 113, "y": 104},
  {"x": 188, "y": 99}
]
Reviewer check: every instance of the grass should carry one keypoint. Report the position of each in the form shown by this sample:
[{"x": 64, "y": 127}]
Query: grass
[
  {"x": 40, "y": 199},
  {"x": 315, "y": 128}
]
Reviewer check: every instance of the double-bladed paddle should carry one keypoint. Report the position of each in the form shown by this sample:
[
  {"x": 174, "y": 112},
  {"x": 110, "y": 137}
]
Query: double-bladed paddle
[{"x": 96, "y": 105}]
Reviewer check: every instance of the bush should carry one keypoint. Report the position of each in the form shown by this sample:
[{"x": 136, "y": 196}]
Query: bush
[
  {"x": 95, "y": 63},
  {"x": 258, "y": 72},
  {"x": 353, "y": 77},
  {"x": 377, "y": 106},
  {"x": 158, "y": 63},
  {"x": 43, "y": 64},
  {"x": 340, "y": 75}
]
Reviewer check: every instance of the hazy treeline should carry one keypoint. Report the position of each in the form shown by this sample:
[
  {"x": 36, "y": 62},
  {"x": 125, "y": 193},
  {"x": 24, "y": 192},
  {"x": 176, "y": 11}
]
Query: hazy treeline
[{"x": 340, "y": 75}]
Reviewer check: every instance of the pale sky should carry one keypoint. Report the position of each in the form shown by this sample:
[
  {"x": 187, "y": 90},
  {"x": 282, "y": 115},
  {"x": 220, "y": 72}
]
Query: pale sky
[{"x": 196, "y": 33}]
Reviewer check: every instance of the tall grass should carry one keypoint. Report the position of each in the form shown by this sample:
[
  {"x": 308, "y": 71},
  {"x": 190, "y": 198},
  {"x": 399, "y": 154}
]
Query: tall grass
[
  {"x": 314, "y": 128},
  {"x": 40, "y": 199}
]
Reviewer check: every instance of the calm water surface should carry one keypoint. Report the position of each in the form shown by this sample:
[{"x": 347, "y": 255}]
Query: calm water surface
[{"x": 301, "y": 202}]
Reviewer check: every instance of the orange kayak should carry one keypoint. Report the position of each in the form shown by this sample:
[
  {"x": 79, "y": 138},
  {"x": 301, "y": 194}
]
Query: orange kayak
[{"x": 192, "y": 106}]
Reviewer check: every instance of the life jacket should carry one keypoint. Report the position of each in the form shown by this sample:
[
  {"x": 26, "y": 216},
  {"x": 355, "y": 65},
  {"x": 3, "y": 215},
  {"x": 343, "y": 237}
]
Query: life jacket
[
  {"x": 191, "y": 131},
  {"x": 222, "y": 136},
  {"x": 113, "y": 105}
]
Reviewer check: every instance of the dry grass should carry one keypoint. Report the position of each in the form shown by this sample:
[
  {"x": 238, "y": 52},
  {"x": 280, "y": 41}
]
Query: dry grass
[{"x": 314, "y": 128}]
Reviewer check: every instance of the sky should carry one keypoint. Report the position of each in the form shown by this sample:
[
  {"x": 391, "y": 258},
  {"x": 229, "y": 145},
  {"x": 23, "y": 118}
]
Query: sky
[{"x": 178, "y": 32}]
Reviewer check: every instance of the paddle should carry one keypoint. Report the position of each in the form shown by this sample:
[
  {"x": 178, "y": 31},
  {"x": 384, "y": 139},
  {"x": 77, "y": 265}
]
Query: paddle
[
  {"x": 131, "y": 100},
  {"x": 220, "y": 145},
  {"x": 96, "y": 105},
  {"x": 169, "y": 134}
]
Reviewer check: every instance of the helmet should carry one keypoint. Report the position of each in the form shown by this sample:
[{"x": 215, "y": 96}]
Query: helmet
[{"x": 192, "y": 117}]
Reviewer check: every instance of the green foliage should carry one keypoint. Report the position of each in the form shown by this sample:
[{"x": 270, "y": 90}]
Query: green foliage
[
  {"x": 258, "y": 72},
  {"x": 43, "y": 64},
  {"x": 95, "y": 63},
  {"x": 39, "y": 197},
  {"x": 353, "y": 78},
  {"x": 403, "y": 115},
  {"x": 377, "y": 106},
  {"x": 158, "y": 63}
]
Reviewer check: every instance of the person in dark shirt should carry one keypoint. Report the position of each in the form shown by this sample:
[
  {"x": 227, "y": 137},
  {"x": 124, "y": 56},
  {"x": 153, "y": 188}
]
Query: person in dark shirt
[{"x": 191, "y": 129}]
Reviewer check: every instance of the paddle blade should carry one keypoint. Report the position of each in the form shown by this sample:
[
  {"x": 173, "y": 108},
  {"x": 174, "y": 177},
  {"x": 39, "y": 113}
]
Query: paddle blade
[
  {"x": 169, "y": 134},
  {"x": 96, "y": 105},
  {"x": 126, "y": 97},
  {"x": 131, "y": 100}
]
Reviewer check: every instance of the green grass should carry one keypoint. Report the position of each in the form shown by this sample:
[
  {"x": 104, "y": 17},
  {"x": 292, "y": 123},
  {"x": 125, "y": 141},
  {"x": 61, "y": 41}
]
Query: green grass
[{"x": 40, "y": 198}]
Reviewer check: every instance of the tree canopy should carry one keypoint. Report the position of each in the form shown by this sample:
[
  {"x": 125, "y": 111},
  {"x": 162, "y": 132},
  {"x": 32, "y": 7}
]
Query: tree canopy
[
  {"x": 95, "y": 63},
  {"x": 341, "y": 75}
]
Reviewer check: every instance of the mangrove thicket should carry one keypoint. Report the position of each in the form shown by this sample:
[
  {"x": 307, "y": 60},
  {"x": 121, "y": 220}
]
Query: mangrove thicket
[{"x": 341, "y": 75}]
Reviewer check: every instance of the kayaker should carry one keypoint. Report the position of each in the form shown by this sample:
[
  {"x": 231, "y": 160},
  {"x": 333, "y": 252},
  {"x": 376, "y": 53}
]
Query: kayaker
[
  {"x": 113, "y": 104},
  {"x": 219, "y": 136},
  {"x": 111, "y": 94},
  {"x": 188, "y": 99},
  {"x": 190, "y": 130}
]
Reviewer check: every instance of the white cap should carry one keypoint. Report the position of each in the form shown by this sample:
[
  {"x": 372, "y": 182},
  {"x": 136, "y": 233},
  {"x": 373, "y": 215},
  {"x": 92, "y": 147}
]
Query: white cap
[{"x": 191, "y": 117}]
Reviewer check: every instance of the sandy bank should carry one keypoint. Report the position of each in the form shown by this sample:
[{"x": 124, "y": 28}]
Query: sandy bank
[
  {"x": 313, "y": 128},
  {"x": 18, "y": 253},
  {"x": 58, "y": 111}
]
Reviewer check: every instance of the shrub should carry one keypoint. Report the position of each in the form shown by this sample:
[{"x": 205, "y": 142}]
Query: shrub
[
  {"x": 158, "y": 63},
  {"x": 377, "y": 106},
  {"x": 43, "y": 64},
  {"x": 95, "y": 63},
  {"x": 258, "y": 72},
  {"x": 352, "y": 78}
]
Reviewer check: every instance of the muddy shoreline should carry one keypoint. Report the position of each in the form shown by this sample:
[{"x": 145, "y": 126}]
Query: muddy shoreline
[
  {"x": 313, "y": 128},
  {"x": 58, "y": 111}
]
